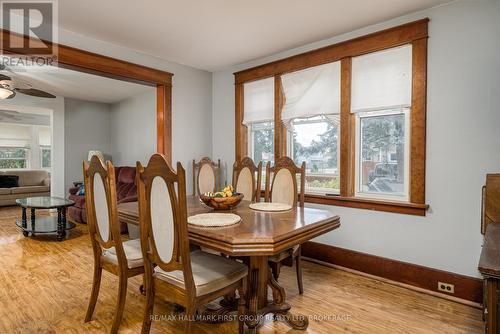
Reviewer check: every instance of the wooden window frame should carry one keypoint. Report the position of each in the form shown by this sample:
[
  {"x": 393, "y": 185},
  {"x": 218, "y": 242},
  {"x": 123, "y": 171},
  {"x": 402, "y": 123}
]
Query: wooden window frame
[
  {"x": 414, "y": 33},
  {"x": 93, "y": 63}
]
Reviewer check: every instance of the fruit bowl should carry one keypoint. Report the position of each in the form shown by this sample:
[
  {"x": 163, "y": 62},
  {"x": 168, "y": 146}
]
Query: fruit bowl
[
  {"x": 222, "y": 203},
  {"x": 222, "y": 200}
]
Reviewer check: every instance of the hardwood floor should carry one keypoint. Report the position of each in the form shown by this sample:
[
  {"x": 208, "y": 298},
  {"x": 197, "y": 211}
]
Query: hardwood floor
[{"x": 45, "y": 286}]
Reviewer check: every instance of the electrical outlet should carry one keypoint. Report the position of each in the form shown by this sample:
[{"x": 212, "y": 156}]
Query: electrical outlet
[{"x": 446, "y": 287}]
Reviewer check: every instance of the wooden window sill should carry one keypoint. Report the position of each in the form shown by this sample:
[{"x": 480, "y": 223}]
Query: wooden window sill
[{"x": 370, "y": 204}]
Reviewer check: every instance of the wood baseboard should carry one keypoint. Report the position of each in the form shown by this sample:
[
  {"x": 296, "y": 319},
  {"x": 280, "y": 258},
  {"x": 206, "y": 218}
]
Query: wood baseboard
[{"x": 466, "y": 287}]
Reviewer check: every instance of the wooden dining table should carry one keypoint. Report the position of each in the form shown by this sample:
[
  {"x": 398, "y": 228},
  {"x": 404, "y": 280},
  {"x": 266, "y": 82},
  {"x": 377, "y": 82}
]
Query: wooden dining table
[{"x": 258, "y": 236}]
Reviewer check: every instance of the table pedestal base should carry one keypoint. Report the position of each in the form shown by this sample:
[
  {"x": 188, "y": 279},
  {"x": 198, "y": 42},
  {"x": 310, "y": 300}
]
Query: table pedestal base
[
  {"x": 228, "y": 306},
  {"x": 278, "y": 306},
  {"x": 260, "y": 279}
]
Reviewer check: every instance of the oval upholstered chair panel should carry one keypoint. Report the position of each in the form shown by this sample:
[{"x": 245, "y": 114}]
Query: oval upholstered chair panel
[
  {"x": 283, "y": 188},
  {"x": 101, "y": 208},
  {"x": 244, "y": 184},
  {"x": 162, "y": 219},
  {"x": 206, "y": 179}
]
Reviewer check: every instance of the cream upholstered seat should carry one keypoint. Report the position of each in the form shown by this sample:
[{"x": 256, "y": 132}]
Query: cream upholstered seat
[
  {"x": 284, "y": 188},
  {"x": 133, "y": 253},
  {"x": 206, "y": 179},
  {"x": 284, "y": 192},
  {"x": 245, "y": 184},
  {"x": 244, "y": 181},
  {"x": 206, "y": 176},
  {"x": 190, "y": 279},
  {"x": 123, "y": 259},
  {"x": 210, "y": 273},
  {"x": 281, "y": 187}
]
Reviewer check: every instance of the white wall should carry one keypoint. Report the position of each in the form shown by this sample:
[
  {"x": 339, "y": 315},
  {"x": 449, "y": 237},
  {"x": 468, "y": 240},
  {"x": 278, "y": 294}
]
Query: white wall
[
  {"x": 87, "y": 127},
  {"x": 133, "y": 124},
  {"x": 191, "y": 119},
  {"x": 133, "y": 129},
  {"x": 463, "y": 137}
]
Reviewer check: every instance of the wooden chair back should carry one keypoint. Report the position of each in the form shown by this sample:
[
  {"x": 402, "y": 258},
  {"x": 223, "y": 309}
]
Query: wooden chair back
[
  {"x": 101, "y": 206},
  {"x": 283, "y": 186},
  {"x": 163, "y": 218},
  {"x": 206, "y": 175},
  {"x": 490, "y": 209},
  {"x": 244, "y": 180}
]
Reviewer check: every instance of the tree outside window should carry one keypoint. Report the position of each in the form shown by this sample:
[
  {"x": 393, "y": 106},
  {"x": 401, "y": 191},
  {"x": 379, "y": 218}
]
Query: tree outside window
[
  {"x": 13, "y": 158},
  {"x": 316, "y": 141}
]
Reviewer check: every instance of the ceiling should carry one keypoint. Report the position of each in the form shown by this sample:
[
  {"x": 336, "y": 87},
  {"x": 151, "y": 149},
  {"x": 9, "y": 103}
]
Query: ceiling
[
  {"x": 211, "y": 34},
  {"x": 74, "y": 84}
]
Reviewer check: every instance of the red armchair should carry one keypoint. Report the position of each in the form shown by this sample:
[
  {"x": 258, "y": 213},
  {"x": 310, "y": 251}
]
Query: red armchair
[{"x": 126, "y": 191}]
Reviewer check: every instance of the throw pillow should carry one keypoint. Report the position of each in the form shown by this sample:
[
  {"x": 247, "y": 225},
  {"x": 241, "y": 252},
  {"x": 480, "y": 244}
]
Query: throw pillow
[
  {"x": 81, "y": 190},
  {"x": 9, "y": 181}
]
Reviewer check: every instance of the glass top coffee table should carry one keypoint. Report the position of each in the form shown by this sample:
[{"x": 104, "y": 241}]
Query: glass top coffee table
[{"x": 45, "y": 224}]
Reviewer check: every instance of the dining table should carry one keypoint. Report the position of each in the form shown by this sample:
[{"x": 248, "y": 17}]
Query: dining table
[{"x": 259, "y": 235}]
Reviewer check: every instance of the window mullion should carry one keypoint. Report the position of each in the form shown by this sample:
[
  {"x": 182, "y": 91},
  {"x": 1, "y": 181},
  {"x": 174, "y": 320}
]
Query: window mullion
[
  {"x": 279, "y": 129},
  {"x": 346, "y": 135}
]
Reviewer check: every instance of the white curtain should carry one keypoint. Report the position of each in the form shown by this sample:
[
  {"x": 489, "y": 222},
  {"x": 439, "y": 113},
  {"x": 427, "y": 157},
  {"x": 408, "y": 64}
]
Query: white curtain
[
  {"x": 311, "y": 92},
  {"x": 258, "y": 101},
  {"x": 382, "y": 80}
]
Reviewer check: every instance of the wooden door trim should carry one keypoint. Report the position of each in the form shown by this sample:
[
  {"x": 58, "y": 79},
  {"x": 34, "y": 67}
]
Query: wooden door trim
[{"x": 93, "y": 63}]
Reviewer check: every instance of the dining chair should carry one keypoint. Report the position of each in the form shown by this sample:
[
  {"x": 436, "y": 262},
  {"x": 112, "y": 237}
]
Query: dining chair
[
  {"x": 244, "y": 179},
  {"x": 189, "y": 279},
  {"x": 281, "y": 187},
  {"x": 206, "y": 176},
  {"x": 123, "y": 259}
]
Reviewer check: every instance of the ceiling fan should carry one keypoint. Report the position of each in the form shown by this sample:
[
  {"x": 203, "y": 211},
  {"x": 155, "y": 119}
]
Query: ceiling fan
[{"x": 9, "y": 87}]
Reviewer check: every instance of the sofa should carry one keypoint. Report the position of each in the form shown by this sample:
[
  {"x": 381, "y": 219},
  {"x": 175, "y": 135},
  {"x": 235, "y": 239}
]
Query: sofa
[
  {"x": 126, "y": 191},
  {"x": 31, "y": 183}
]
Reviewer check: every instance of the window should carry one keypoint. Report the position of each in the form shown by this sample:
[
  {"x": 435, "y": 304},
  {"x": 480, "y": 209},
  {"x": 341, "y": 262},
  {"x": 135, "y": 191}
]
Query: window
[
  {"x": 45, "y": 157},
  {"x": 259, "y": 119},
  {"x": 316, "y": 141},
  {"x": 261, "y": 142},
  {"x": 45, "y": 144},
  {"x": 381, "y": 99},
  {"x": 261, "y": 145},
  {"x": 382, "y": 154},
  {"x": 13, "y": 158},
  {"x": 311, "y": 115},
  {"x": 355, "y": 112}
]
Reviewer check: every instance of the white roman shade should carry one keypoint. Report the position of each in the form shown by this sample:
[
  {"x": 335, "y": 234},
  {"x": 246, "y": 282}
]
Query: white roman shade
[
  {"x": 382, "y": 80},
  {"x": 15, "y": 135},
  {"x": 258, "y": 100},
  {"x": 44, "y": 136},
  {"x": 312, "y": 92}
]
